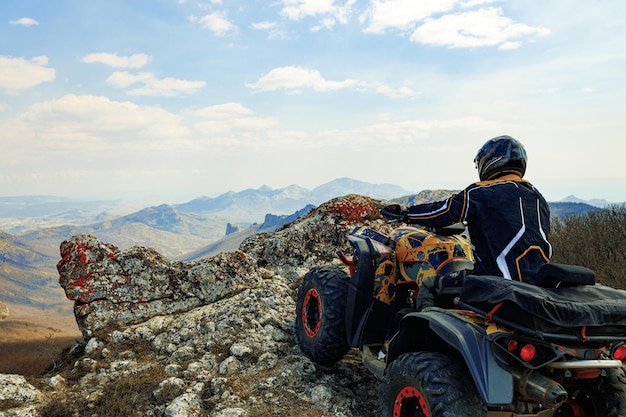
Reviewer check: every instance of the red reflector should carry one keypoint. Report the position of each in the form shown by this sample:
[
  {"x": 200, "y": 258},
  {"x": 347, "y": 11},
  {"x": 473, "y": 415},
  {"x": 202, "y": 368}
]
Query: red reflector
[
  {"x": 620, "y": 353},
  {"x": 512, "y": 345},
  {"x": 587, "y": 373},
  {"x": 527, "y": 352}
]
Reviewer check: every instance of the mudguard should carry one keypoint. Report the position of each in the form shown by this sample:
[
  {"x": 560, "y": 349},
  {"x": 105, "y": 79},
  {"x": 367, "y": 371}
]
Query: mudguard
[
  {"x": 360, "y": 289},
  {"x": 419, "y": 330}
]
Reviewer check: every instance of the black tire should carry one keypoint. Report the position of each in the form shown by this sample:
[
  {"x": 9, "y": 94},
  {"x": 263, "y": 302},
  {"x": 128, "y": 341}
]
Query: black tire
[
  {"x": 320, "y": 315},
  {"x": 612, "y": 398},
  {"x": 428, "y": 384},
  {"x": 601, "y": 397}
]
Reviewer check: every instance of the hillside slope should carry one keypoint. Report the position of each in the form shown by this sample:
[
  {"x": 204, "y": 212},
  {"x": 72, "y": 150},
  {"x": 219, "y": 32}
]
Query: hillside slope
[
  {"x": 26, "y": 268},
  {"x": 163, "y": 227},
  {"x": 233, "y": 241},
  {"x": 32, "y": 304}
]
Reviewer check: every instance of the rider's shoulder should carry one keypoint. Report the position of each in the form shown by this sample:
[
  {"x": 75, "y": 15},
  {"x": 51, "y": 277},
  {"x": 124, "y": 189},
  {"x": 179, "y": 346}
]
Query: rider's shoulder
[{"x": 505, "y": 179}]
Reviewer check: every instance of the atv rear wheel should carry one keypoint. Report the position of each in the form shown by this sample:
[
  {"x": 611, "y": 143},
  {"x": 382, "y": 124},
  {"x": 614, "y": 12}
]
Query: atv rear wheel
[
  {"x": 428, "y": 384},
  {"x": 601, "y": 397},
  {"x": 320, "y": 315}
]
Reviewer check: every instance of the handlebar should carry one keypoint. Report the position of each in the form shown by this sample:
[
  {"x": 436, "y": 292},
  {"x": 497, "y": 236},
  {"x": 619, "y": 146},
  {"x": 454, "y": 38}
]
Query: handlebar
[{"x": 395, "y": 213}]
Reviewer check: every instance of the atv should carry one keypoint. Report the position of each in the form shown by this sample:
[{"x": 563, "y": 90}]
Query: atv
[{"x": 488, "y": 347}]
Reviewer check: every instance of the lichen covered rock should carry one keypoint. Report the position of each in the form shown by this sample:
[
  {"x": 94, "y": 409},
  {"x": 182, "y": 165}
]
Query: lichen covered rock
[{"x": 109, "y": 286}]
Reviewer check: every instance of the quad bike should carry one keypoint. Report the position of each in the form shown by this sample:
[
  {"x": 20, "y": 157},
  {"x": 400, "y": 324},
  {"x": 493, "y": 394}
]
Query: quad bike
[{"x": 489, "y": 347}]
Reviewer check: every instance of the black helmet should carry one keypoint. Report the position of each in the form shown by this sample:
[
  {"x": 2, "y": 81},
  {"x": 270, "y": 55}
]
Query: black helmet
[{"x": 499, "y": 156}]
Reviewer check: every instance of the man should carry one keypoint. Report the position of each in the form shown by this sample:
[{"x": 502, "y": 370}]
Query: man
[{"x": 507, "y": 218}]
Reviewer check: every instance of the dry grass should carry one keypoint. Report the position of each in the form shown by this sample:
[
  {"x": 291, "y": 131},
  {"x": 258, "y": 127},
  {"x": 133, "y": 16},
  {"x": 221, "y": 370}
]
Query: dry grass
[
  {"x": 32, "y": 339},
  {"x": 33, "y": 357},
  {"x": 128, "y": 395},
  {"x": 595, "y": 240}
]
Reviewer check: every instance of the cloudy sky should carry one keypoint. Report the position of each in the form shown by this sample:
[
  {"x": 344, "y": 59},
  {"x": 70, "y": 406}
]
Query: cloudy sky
[{"x": 183, "y": 98}]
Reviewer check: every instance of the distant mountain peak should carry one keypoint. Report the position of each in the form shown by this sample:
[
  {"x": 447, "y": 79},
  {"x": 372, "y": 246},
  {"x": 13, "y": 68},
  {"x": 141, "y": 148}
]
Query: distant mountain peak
[
  {"x": 571, "y": 199},
  {"x": 596, "y": 202}
]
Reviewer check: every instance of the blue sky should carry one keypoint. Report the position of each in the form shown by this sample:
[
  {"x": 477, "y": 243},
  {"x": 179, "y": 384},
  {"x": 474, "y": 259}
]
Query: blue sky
[{"x": 179, "y": 99}]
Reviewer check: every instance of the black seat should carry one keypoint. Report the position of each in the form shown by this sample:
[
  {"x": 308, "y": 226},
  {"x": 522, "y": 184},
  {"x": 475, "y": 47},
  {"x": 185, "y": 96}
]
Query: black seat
[{"x": 554, "y": 275}]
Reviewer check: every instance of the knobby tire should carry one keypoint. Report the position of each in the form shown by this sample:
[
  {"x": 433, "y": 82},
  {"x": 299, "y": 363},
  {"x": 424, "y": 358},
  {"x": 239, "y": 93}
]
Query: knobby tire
[
  {"x": 320, "y": 329},
  {"x": 428, "y": 384}
]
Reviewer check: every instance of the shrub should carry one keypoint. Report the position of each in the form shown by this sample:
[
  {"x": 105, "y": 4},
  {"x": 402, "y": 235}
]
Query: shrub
[{"x": 595, "y": 240}]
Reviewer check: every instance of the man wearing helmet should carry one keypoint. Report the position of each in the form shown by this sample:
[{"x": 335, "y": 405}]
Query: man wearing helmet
[{"x": 507, "y": 218}]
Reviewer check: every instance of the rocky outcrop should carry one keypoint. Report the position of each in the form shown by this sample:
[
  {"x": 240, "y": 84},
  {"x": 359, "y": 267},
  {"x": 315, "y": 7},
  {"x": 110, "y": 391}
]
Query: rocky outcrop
[
  {"x": 313, "y": 239},
  {"x": 109, "y": 286},
  {"x": 231, "y": 228},
  {"x": 274, "y": 221},
  {"x": 206, "y": 338}
]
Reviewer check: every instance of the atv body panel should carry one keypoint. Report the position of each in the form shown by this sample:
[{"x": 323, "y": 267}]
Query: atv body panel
[
  {"x": 360, "y": 289},
  {"x": 493, "y": 381}
]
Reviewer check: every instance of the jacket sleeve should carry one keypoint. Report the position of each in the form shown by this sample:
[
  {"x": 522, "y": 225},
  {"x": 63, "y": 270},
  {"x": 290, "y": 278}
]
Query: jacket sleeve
[{"x": 441, "y": 213}]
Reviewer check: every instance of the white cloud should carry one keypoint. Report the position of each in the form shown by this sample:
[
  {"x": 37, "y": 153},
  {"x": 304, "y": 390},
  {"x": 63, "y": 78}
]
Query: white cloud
[
  {"x": 298, "y": 9},
  {"x": 18, "y": 73},
  {"x": 152, "y": 86},
  {"x": 216, "y": 22},
  {"x": 441, "y": 27},
  {"x": 410, "y": 131},
  {"x": 400, "y": 92},
  {"x": 24, "y": 21},
  {"x": 401, "y": 14},
  {"x": 473, "y": 3},
  {"x": 274, "y": 30},
  {"x": 327, "y": 10},
  {"x": 264, "y": 25},
  {"x": 90, "y": 123},
  {"x": 168, "y": 87},
  {"x": 232, "y": 125},
  {"x": 116, "y": 61},
  {"x": 509, "y": 46},
  {"x": 248, "y": 132},
  {"x": 123, "y": 79},
  {"x": 327, "y": 23},
  {"x": 483, "y": 27},
  {"x": 295, "y": 78},
  {"x": 224, "y": 111},
  {"x": 280, "y": 34}
]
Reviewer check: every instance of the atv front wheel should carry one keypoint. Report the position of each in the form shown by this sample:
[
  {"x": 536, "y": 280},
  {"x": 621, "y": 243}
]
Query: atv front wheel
[
  {"x": 320, "y": 315},
  {"x": 428, "y": 384}
]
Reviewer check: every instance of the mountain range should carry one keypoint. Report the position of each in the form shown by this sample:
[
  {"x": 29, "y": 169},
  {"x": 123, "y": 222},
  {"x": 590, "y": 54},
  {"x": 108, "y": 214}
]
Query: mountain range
[{"x": 33, "y": 227}]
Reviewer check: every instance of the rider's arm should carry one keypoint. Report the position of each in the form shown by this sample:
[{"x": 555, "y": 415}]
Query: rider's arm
[{"x": 441, "y": 213}]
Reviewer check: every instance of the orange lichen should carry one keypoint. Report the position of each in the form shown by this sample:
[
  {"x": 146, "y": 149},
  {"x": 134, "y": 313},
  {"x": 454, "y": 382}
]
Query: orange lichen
[{"x": 353, "y": 209}]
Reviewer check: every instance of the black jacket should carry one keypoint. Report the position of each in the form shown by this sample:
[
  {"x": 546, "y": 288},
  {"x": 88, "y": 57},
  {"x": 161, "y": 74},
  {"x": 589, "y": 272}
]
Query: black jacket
[{"x": 508, "y": 222}]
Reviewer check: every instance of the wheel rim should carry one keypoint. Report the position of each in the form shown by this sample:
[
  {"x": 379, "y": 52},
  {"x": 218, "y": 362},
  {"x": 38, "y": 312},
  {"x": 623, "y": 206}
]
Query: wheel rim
[
  {"x": 312, "y": 312},
  {"x": 410, "y": 403},
  {"x": 571, "y": 408},
  {"x": 580, "y": 404}
]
